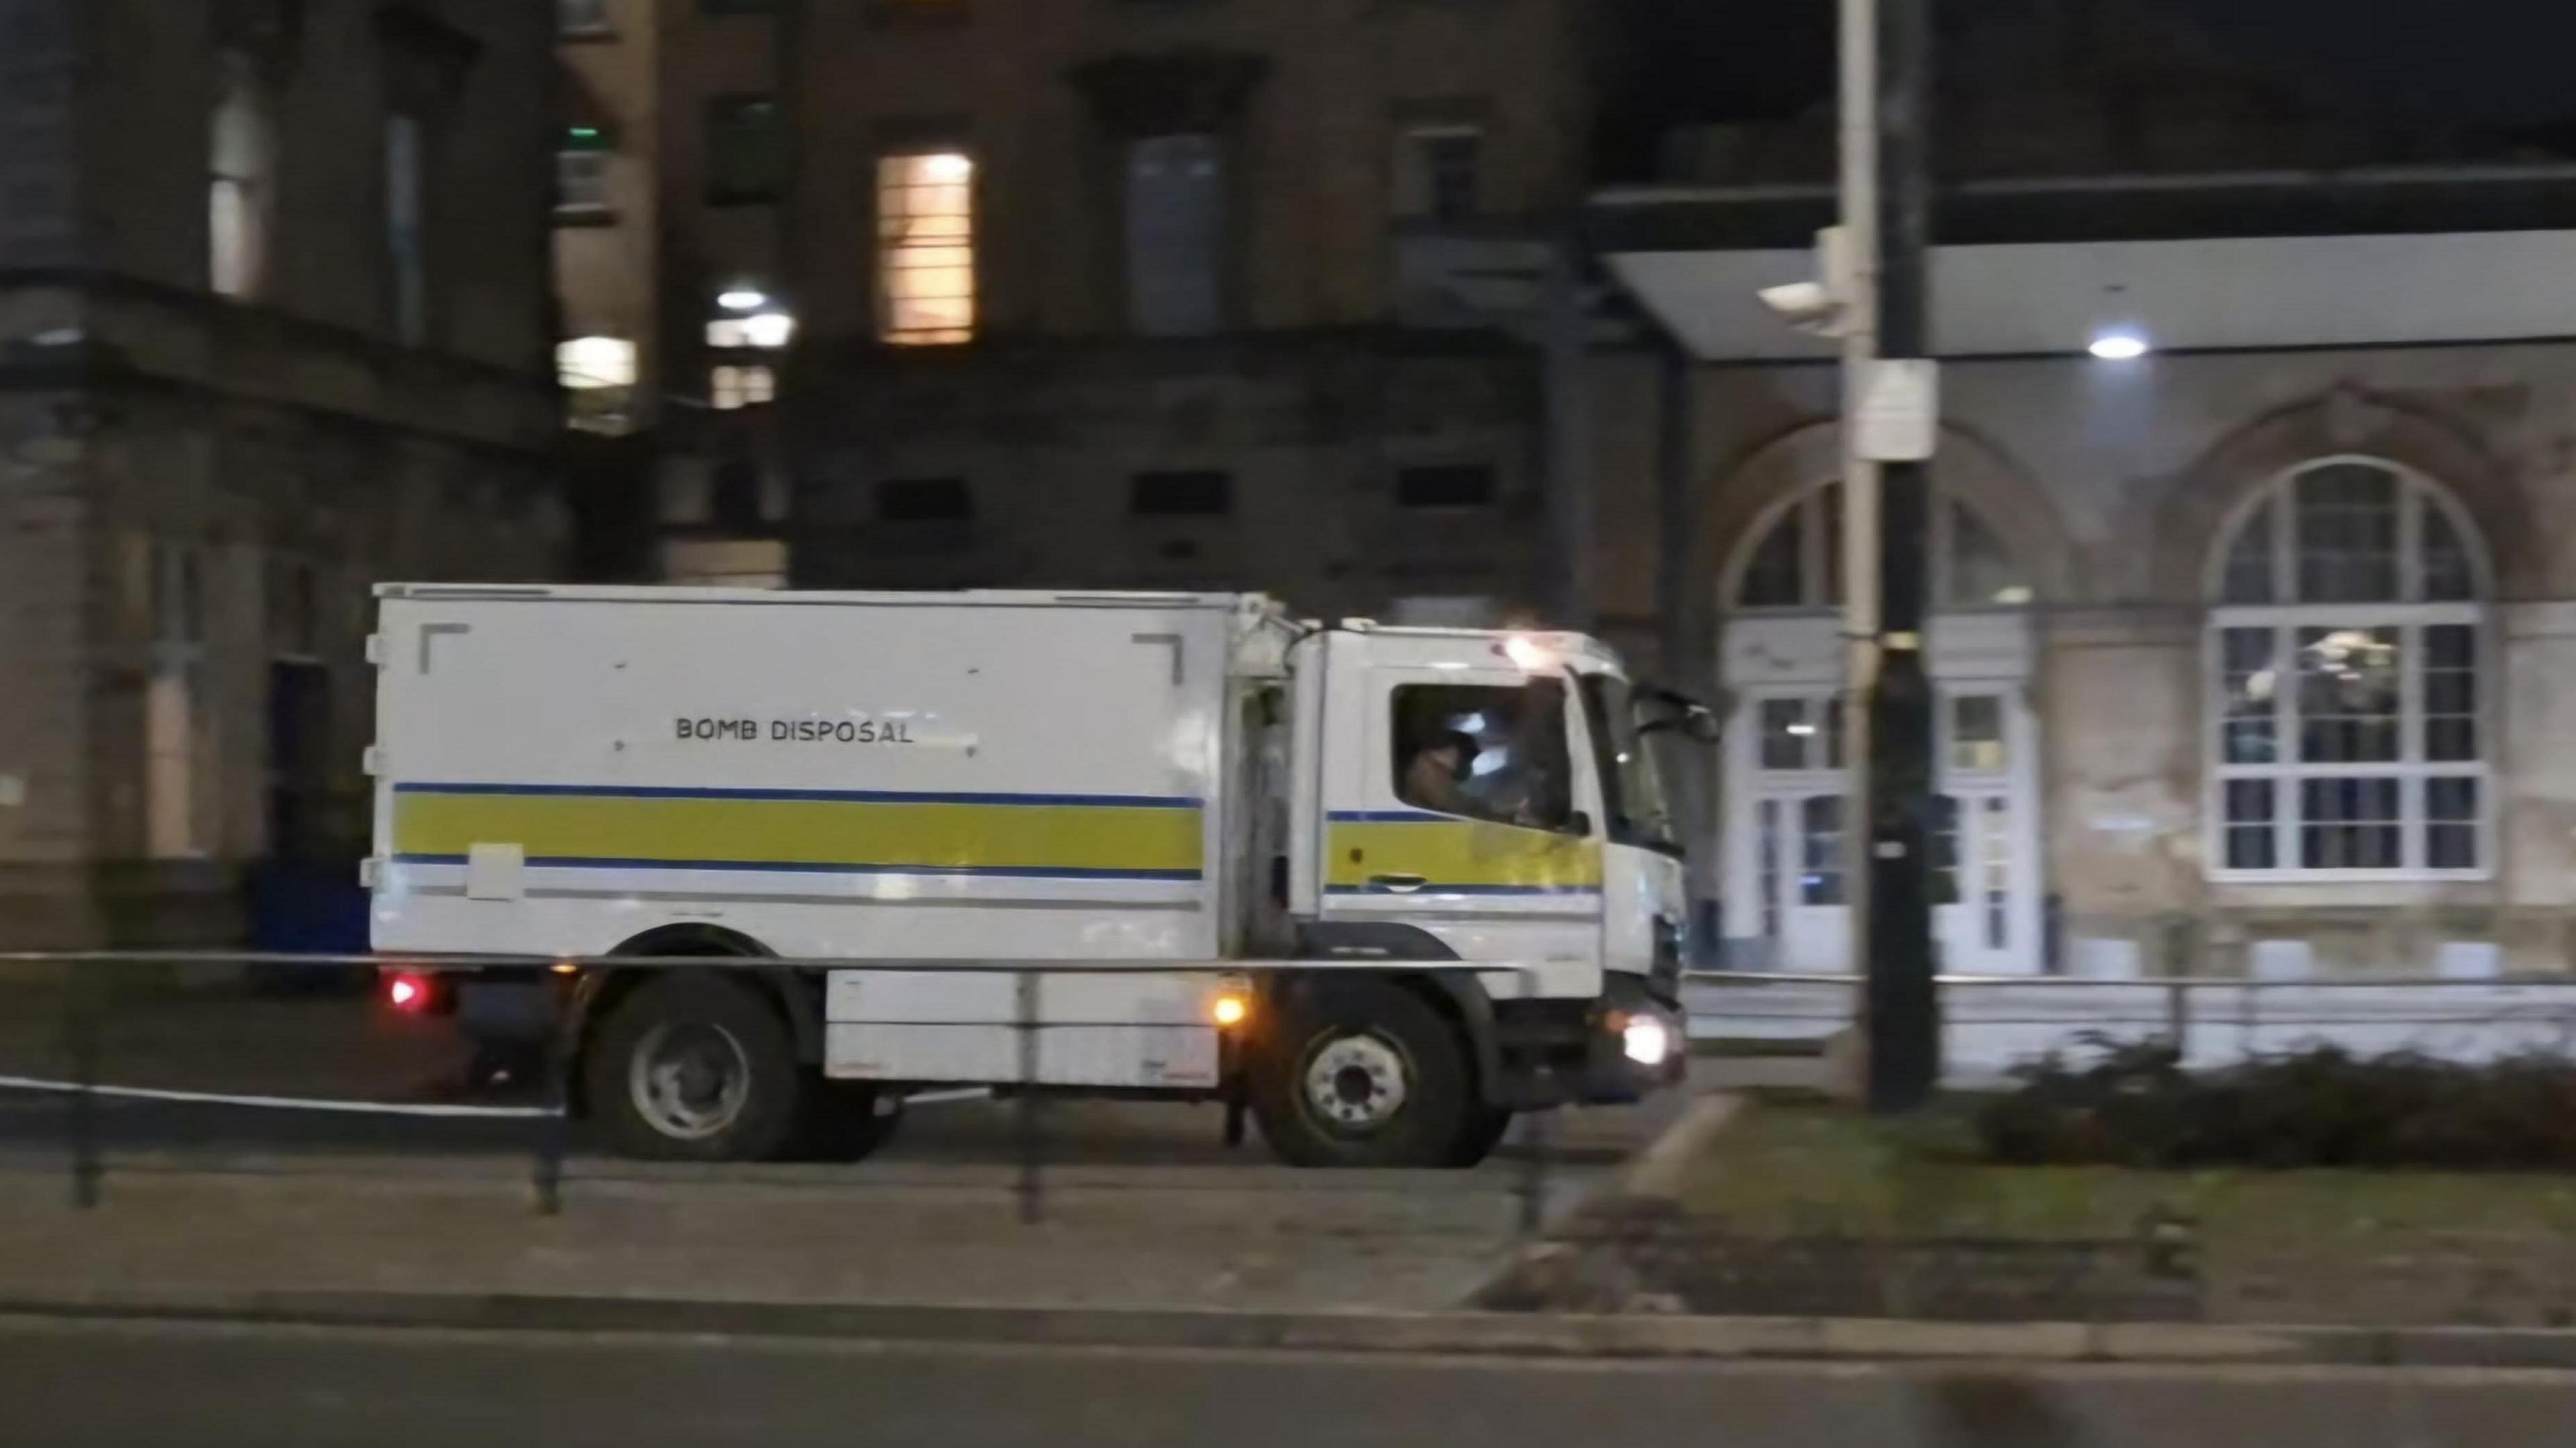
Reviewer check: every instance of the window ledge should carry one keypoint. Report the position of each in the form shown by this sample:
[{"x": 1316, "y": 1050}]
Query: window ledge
[{"x": 585, "y": 216}]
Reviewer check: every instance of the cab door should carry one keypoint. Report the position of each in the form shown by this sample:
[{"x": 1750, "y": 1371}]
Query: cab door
[{"x": 1455, "y": 801}]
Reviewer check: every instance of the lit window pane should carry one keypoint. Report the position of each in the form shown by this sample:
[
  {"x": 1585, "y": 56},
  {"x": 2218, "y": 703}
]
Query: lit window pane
[
  {"x": 1785, "y": 732},
  {"x": 2253, "y": 682},
  {"x": 1995, "y": 845},
  {"x": 2350, "y": 694},
  {"x": 2451, "y": 829},
  {"x": 1767, "y": 837},
  {"x": 926, "y": 247},
  {"x": 2348, "y": 824},
  {"x": 1943, "y": 886},
  {"x": 2251, "y": 840},
  {"x": 1977, "y": 733},
  {"x": 1821, "y": 877},
  {"x": 2347, "y": 532}
]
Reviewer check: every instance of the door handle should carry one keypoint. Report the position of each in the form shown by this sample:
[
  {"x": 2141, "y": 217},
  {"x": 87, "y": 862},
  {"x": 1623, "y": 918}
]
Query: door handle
[{"x": 1400, "y": 884}]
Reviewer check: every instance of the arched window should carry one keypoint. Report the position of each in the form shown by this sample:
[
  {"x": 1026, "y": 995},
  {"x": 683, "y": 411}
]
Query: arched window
[
  {"x": 2348, "y": 667},
  {"x": 1798, "y": 564}
]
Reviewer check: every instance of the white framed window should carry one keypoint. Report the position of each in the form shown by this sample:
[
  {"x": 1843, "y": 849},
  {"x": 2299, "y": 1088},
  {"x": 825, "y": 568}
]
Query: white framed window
[
  {"x": 2348, "y": 649},
  {"x": 1798, "y": 564}
]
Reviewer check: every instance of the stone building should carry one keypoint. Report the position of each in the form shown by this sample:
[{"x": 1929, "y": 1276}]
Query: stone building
[
  {"x": 2253, "y": 553},
  {"x": 274, "y": 325},
  {"x": 1444, "y": 310},
  {"x": 1098, "y": 294}
]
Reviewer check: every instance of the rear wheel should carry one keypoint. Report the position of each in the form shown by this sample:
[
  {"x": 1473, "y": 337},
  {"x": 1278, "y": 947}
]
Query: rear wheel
[
  {"x": 696, "y": 1068},
  {"x": 1362, "y": 1073}
]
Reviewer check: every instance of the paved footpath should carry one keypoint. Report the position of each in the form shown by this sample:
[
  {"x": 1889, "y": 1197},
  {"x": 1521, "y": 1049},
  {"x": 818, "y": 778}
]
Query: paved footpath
[
  {"x": 1143, "y": 1204},
  {"x": 108, "y": 1385}
]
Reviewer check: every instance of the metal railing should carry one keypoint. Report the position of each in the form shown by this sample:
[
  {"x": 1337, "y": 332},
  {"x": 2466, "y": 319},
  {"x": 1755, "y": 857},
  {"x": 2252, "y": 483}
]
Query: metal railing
[
  {"x": 1992, "y": 1023},
  {"x": 95, "y": 985}
]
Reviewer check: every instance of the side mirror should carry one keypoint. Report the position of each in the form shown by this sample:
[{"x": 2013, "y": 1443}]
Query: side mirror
[{"x": 1577, "y": 823}]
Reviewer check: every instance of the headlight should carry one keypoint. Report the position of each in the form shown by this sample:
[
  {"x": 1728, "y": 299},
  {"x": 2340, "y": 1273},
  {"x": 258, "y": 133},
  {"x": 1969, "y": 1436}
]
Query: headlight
[{"x": 1647, "y": 1041}]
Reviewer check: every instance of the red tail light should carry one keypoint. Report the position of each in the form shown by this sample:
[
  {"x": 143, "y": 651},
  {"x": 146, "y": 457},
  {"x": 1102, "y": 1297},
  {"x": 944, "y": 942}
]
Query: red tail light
[{"x": 407, "y": 992}]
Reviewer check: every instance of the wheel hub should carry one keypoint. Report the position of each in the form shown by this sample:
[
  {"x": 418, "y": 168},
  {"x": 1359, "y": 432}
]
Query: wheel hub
[
  {"x": 1357, "y": 1083},
  {"x": 689, "y": 1081}
]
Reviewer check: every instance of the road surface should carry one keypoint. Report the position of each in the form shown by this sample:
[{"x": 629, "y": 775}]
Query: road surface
[{"x": 105, "y": 1385}]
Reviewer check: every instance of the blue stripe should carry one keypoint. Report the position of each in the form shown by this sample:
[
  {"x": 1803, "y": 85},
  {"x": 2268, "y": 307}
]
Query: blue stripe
[
  {"x": 1398, "y": 817},
  {"x": 1439, "y": 889},
  {"x": 1032, "y": 872},
  {"x": 831, "y": 796}
]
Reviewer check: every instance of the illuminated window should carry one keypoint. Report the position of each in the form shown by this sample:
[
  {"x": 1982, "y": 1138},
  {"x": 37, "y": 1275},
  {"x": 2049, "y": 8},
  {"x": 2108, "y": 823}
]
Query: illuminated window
[
  {"x": 730, "y": 387},
  {"x": 926, "y": 247},
  {"x": 241, "y": 197},
  {"x": 593, "y": 362},
  {"x": 2348, "y": 665}
]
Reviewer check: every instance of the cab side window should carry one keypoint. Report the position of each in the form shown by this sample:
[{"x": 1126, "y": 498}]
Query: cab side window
[{"x": 1486, "y": 752}]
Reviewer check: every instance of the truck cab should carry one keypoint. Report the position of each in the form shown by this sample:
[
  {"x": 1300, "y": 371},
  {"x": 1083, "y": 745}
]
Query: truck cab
[{"x": 1480, "y": 796}]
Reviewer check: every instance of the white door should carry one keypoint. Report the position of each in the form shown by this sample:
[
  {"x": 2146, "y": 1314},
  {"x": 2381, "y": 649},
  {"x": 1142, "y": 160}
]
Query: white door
[{"x": 1790, "y": 813}]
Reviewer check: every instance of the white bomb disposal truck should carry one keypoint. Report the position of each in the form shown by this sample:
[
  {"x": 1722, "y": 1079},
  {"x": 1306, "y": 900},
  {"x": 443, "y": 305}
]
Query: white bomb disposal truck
[{"x": 1211, "y": 851}]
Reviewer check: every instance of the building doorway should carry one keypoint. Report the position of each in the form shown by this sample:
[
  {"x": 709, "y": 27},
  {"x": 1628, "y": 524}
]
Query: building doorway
[{"x": 1786, "y": 785}]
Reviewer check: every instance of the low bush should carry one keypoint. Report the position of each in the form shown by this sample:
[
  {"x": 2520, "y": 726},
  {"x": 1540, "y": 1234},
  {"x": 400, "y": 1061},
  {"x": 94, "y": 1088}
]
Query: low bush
[{"x": 2134, "y": 1105}]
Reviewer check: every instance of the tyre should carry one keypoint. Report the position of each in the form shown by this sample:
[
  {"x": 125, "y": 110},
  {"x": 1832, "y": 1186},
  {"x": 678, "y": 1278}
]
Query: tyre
[
  {"x": 846, "y": 1121},
  {"x": 1362, "y": 1073},
  {"x": 1484, "y": 1130},
  {"x": 695, "y": 1068}
]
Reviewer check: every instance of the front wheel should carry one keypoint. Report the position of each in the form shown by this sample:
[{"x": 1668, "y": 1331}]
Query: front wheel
[
  {"x": 1363, "y": 1073},
  {"x": 695, "y": 1068}
]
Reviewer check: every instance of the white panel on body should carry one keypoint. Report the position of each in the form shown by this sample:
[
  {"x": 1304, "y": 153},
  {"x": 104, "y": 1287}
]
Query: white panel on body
[
  {"x": 966, "y": 996},
  {"x": 1068, "y": 1055},
  {"x": 494, "y": 872}
]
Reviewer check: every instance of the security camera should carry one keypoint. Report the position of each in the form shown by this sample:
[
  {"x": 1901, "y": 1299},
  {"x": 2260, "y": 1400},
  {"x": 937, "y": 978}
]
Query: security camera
[{"x": 1807, "y": 306}]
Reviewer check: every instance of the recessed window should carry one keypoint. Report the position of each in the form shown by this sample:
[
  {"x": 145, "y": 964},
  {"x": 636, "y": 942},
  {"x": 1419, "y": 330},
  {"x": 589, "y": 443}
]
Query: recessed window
[
  {"x": 1199, "y": 493},
  {"x": 406, "y": 226},
  {"x": 1439, "y": 172},
  {"x": 241, "y": 200},
  {"x": 1461, "y": 485},
  {"x": 926, "y": 247},
  {"x": 1175, "y": 235},
  {"x": 924, "y": 500},
  {"x": 746, "y": 146},
  {"x": 582, "y": 17},
  {"x": 581, "y": 173},
  {"x": 2347, "y": 651}
]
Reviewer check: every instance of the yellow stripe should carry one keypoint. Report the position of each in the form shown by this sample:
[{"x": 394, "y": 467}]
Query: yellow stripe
[
  {"x": 1461, "y": 852},
  {"x": 855, "y": 833}
]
